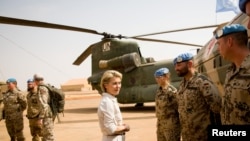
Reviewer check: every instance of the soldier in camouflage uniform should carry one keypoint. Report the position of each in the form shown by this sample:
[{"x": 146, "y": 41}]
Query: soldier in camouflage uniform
[
  {"x": 244, "y": 6},
  {"x": 1, "y": 103},
  {"x": 45, "y": 115},
  {"x": 33, "y": 111},
  {"x": 197, "y": 98},
  {"x": 232, "y": 44},
  {"x": 166, "y": 108},
  {"x": 14, "y": 104}
]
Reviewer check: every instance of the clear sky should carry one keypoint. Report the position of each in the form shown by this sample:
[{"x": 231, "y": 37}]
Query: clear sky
[{"x": 50, "y": 52}]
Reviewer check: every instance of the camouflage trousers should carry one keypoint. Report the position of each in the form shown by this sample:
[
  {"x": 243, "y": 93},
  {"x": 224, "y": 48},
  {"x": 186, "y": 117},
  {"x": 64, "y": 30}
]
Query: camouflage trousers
[
  {"x": 47, "y": 129},
  {"x": 35, "y": 129},
  {"x": 165, "y": 132},
  {"x": 15, "y": 129}
]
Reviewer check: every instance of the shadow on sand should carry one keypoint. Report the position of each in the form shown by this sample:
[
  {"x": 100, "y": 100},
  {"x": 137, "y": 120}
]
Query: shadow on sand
[
  {"x": 124, "y": 109},
  {"x": 128, "y": 109}
]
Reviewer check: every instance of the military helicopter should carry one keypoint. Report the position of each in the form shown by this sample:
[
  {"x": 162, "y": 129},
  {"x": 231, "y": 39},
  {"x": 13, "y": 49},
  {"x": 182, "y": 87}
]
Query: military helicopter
[{"x": 138, "y": 84}]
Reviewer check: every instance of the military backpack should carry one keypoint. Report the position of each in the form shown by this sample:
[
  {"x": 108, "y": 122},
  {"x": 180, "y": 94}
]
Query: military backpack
[{"x": 57, "y": 99}]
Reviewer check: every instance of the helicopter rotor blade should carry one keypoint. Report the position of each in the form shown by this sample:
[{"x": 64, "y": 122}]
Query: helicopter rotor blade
[
  {"x": 177, "y": 30},
  {"x": 22, "y": 22},
  {"x": 83, "y": 56},
  {"x": 88, "y": 51},
  {"x": 165, "y": 41}
]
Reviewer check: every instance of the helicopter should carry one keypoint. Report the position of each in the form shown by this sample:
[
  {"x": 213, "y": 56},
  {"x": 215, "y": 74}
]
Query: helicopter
[{"x": 138, "y": 83}]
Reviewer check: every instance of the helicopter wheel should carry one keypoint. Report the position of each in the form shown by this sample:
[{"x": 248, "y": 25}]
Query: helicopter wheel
[{"x": 139, "y": 104}]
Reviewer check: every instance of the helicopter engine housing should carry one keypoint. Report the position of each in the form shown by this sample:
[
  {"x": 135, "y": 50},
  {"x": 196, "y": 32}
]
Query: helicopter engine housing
[{"x": 127, "y": 62}]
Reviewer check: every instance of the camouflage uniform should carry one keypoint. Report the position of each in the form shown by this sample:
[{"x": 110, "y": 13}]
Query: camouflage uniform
[
  {"x": 1, "y": 105},
  {"x": 168, "y": 124},
  {"x": 14, "y": 105},
  {"x": 196, "y": 98},
  {"x": 32, "y": 114},
  {"x": 1, "y": 100},
  {"x": 45, "y": 114},
  {"x": 236, "y": 100}
]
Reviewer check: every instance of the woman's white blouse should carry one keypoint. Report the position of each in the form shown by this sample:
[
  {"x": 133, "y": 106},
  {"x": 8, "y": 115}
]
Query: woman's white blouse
[{"x": 109, "y": 114}]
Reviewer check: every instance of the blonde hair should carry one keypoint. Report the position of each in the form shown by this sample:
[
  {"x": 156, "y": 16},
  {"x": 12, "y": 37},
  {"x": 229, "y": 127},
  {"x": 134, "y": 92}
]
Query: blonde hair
[{"x": 107, "y": 75}]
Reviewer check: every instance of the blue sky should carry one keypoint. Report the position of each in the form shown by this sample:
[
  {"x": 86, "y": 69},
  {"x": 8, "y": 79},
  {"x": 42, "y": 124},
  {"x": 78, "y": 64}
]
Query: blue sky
[{"x": 28, "y": 50}]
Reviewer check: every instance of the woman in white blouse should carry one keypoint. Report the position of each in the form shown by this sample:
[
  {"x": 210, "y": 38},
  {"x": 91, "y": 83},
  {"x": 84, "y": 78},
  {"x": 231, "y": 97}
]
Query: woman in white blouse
[{"x": 109, "y": 114}]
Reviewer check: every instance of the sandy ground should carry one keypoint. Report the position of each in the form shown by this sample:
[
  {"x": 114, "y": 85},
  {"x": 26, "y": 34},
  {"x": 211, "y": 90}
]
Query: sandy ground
[{"x": 80, "y": 122}]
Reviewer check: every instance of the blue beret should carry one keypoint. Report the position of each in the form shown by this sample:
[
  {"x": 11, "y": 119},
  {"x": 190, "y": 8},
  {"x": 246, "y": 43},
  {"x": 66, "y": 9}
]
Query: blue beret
[
  {"x": 161, "y": 72},
  {"x": 11, "y": 80},
  {"x": 229, "y": 29},
  {"x": 242, "y": 5},
  {"x": 183, "y": 57},
  {"x": 30, "y": 80}
]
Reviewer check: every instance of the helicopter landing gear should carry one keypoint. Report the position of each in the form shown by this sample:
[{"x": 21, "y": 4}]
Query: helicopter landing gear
[{"x": 139, "y": 104}]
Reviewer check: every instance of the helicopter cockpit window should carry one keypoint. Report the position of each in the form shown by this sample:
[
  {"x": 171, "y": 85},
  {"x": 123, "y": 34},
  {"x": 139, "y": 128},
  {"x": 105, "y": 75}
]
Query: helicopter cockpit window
[{"x": 106, "y": 46}]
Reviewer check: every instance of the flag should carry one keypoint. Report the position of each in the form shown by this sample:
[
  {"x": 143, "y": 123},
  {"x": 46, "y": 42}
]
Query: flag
[{"x": 227, "y": 5}]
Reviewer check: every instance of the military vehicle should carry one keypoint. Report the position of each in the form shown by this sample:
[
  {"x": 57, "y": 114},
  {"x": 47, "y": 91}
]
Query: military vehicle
[{"x": 138, "y": 84}]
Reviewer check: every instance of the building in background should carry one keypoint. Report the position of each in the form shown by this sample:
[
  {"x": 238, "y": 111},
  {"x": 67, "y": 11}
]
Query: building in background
[{"x": 80, "y": 85}]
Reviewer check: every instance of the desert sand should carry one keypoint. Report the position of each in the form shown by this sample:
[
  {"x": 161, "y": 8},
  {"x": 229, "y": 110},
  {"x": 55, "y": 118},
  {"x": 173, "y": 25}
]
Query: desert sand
[{"x": 80, "y": 122}]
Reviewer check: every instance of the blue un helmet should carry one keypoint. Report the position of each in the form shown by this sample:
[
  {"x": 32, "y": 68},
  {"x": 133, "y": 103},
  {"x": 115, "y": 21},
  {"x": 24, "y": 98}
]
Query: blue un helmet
[
  {"x": 229, "y": 29},
  {"x": 242, "y": 5},
  {"x": 183, "y": 57},
  {"x": 161, "y": 72},
  {"x": 11, "y": 80}
]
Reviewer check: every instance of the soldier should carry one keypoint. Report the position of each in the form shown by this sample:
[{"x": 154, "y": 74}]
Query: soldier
[
  {"x": 1, "y": 103},
  {"x": 45, "y": 114},
  {"x": 244, "y": 6},
  {"x": 14, "y": 104},
  {"x": 33, "y": 111},
  {"x": 197, "y": 97},
  {"x": 232, "y": 44},
  {"x": 166, "y": 108}
]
